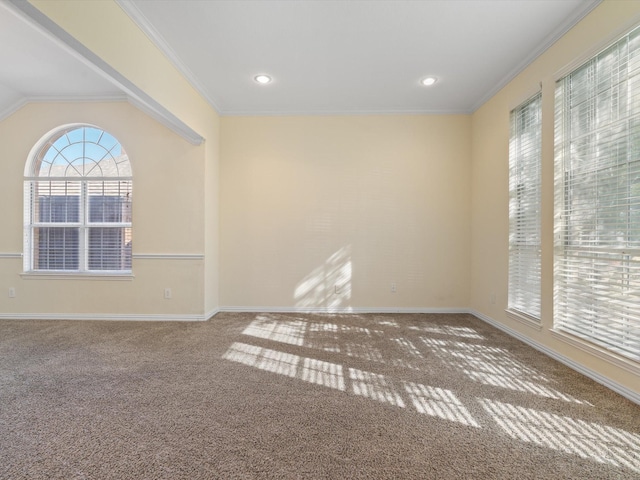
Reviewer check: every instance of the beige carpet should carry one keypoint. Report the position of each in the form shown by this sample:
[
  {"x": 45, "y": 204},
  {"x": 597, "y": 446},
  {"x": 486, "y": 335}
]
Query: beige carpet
[{"x": 301, "y": 396}]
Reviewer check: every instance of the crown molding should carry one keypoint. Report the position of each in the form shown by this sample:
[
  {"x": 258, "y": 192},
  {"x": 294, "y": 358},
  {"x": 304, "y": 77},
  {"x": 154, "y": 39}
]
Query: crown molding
[
  {"x": 12, "y": 108},
  {"x": 355, "y": 113}
]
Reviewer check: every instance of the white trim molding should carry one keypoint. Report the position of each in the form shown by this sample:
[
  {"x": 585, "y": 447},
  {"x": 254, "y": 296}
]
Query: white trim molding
[
  {"x": 211, "y": 313},
  {"x": 114, "y": 317},
  {"x": 587, "y": 372},
  {"x": 168, "y": 256},
  {"x": 10, "y": 255},
  {"x": 57, "y": 275}
]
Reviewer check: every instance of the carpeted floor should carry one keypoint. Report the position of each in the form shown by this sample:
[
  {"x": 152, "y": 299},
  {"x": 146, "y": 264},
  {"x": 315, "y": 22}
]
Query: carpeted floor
[{"x": 301, "y": 396}]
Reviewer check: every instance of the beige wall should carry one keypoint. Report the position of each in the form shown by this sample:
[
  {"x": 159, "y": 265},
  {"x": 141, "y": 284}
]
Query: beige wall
[
  {"x": 490, "y": 159},
  {"x": 168, "y": 217},
  {"x": 308, "y": 203}
]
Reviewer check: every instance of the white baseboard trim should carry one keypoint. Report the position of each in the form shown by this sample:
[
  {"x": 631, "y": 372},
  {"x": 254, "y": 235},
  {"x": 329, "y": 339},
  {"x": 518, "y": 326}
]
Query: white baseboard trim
[
  {"x": 114, "y": 317},
  {"x": 143, "y": 317},
  {"x": 341, "y": 310},
  {"x": 587, "y": 372}
]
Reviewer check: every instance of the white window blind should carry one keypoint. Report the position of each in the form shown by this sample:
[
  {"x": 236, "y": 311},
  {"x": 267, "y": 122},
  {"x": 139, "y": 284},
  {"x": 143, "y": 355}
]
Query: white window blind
[
  {"x": 78, "y": 204},
  {"x": 524, "y": 208},
  {"x": 597, "y": 245}
]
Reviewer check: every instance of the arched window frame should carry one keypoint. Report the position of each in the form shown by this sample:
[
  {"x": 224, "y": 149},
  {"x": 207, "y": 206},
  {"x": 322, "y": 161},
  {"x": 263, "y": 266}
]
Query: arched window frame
[{"x": 78, "y": 204}]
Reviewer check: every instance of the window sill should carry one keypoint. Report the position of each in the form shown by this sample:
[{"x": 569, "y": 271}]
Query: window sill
[
  {"x": 601, "y": 353},
  {"x": 524, "y": 319},
  {"x": 77, "y": 276}
]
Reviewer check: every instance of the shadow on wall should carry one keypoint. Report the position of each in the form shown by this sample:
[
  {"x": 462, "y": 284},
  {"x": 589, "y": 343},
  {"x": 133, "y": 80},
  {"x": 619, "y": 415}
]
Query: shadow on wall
[
  {"x": 327, "y": 287},
  {"x": 475, "y": 382}
]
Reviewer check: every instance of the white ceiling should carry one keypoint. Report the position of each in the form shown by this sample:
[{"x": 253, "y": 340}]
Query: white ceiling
[
  {"x": 324, "y": 56},
  {"x": 353, "y": 56}
]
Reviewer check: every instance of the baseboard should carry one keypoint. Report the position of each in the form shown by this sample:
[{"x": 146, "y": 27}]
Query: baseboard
[
  {"x": 117, "y": 317},
  {"x": 341, "y": 310},
  {"x": 587, "y": 372},
  {"x": 212, "y": 313}
]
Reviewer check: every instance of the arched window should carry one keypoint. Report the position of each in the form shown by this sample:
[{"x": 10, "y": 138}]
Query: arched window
[{"x": 78, "y": 203}]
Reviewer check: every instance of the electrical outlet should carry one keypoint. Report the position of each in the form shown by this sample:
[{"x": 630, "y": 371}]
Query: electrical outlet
[
  {"x": 492, "y": 299},
  {"x": 12, "y": 292},
  {"x": 336, "y": 289},
  {"x": 167, "y": 293},
  {"x": 394, "y": 287}
]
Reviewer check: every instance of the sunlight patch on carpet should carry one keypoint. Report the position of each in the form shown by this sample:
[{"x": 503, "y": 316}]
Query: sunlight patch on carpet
[
  {"x": 290, "y": 332},
  {"x": 374, "y": 386},
  {"x": 439, "y": 402},
  {"x": 495, "y": 367},
  {"x": 589, "y": 440},
  {"x": 289, "y": 365}
]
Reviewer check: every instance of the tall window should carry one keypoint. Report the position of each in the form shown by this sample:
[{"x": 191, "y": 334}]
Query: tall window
[
  {"x": 78, "y": 203},
  {"x": 524, "y": 209},
  {"x": 597, "y": 251}
]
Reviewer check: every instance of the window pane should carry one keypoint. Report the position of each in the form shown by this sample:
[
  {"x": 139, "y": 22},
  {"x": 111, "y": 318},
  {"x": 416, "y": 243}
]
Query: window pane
[
  {"x": 597, "y": 261},
  {"x": 109, "y": 202},
  {"x": 57, "y": 248},
  {"x": 57, "y": 202},
  {"x": 109, "y": 248},
  {"x": 524, "y": 208},
  {"x": 59, "y": 209},
  {"x": 105, "y": 209}
]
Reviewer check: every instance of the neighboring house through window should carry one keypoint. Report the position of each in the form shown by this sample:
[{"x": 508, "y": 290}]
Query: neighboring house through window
[{"x": 78, "y": 187}]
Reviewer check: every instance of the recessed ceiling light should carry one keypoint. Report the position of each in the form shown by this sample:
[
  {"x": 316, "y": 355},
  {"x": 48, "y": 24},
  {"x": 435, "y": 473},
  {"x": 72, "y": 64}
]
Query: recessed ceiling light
[
  {"x": 428, "y": 81},
  {"x": 263, "y": 79}
]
